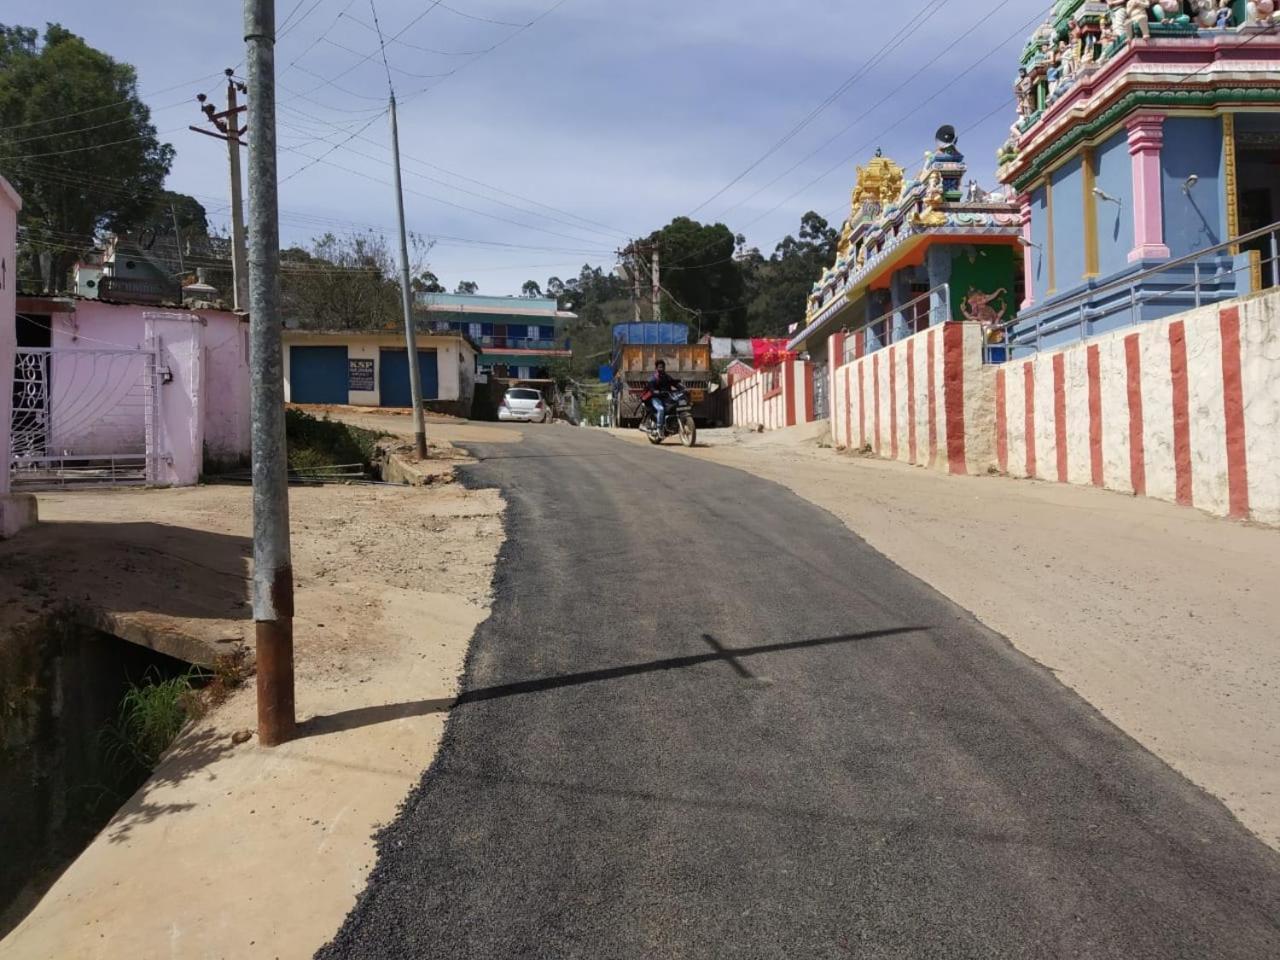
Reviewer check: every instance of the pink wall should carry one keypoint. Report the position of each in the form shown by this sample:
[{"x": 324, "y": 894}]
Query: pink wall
[{"x": 99, "y": 397}]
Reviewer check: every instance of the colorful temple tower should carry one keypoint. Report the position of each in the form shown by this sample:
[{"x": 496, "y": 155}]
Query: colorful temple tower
[
  {"x": 1145, "y": 133},
  {"x": 916, "y": 252}
]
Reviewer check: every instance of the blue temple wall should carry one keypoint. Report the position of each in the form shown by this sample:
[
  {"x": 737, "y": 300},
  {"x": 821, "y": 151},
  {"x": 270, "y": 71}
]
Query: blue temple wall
[
  {"x": 1068, "y": 225},
  {"x": 1040, "y": 252},
  {"x": 1196, "y": 219},
  {"x": 1114, "y": 169}
]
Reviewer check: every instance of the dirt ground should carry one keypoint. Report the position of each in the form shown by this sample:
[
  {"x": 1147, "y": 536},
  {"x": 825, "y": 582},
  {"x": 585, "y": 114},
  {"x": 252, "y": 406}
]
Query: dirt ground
[
  {"x": 1163, "y": 618},
  {"x": 235, "y": 850}
]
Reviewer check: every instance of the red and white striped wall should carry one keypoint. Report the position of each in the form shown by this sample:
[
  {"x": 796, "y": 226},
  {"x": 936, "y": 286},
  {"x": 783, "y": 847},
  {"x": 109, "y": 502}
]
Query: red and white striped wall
[
  {"x": 1185, "y": 409},
  {"x": 776, "y": 397},
  {"x": 924, "y": 400}
]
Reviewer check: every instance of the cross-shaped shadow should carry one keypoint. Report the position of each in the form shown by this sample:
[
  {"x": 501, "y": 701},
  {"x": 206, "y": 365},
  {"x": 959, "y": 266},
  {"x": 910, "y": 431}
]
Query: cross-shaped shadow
[{"x": 367, "y": 716}]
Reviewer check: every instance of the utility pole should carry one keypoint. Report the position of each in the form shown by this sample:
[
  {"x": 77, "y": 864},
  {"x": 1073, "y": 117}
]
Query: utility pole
[
  {"x": 227, "y": 125},
  {"x": 635, "y": 279},
  {"x": 657, "y": 288},
  {"x": 272, "y": 564},
  {"x": 406, "y": 295}
]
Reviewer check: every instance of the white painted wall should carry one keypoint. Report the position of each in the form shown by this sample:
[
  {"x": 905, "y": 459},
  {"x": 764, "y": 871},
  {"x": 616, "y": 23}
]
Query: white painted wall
[
  {"x": 1222, "y": 452},
  {"x": 881, "y": 378},
  {"x": 455, "y": 361}
]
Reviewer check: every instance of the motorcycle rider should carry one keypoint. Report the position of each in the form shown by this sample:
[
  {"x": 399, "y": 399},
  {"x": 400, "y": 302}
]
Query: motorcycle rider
[{"x": 658, "y": 393}]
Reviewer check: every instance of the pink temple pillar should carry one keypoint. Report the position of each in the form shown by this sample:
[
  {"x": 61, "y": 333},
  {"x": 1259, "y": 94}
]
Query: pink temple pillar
[
  {"x": 1028, "y": 269},
  {"x": 1146, "y": 138}
]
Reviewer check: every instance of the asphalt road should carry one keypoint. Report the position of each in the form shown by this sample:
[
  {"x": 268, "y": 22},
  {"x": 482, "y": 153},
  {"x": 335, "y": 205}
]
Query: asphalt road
[{"x": 705, "y": 720}]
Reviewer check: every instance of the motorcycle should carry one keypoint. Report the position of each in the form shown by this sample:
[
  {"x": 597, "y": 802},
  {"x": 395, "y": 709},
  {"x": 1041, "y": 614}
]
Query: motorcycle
[{"x": 679, "y": 421}]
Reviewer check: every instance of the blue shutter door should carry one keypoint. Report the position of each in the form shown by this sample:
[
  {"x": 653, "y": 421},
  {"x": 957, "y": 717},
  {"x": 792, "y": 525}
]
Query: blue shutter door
[
  {"x": 393, "y": 377},
  {"x": 318, "y": 374}
]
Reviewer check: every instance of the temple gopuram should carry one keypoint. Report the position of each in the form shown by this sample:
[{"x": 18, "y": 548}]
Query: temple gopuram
[
  {"x": 916, "y": 252},
  {"x": 1144, "y": 133}
]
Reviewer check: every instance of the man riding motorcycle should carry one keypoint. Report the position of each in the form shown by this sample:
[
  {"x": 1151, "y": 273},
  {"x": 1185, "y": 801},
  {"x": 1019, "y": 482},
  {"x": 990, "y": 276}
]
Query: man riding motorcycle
[{"x": 657, "y": 393}]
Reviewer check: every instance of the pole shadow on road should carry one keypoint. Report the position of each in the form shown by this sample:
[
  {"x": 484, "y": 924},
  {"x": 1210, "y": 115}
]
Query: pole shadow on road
[{"x": 370, "y": 716}]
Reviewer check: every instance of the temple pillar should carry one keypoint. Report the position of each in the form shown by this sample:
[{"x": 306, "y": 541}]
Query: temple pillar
[
  {"x": 1146, "y": 138},
  {"x": 1028, "y": 267},
  {"x": 875, "y": 309},
  {"x": 938, "y": 261},
  {"x": 900, "y": 291}
]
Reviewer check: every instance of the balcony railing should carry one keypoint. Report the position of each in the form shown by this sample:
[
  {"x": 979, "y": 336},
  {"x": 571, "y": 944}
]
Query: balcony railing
[
  {"x": 518, "y": 343},
  {"x": 1206, "y": 276},
  {"x": 912, "y": 317}
]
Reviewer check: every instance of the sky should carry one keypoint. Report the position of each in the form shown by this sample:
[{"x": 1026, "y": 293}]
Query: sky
[{"x": 537, "y": 144}]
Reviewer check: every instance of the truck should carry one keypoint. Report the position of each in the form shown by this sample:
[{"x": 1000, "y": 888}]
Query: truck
[{"x": 638, "y": 346}]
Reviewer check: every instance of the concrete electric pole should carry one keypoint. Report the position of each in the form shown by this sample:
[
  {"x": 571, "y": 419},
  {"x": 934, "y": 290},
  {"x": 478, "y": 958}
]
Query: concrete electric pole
[
  {"x": 272, "y": 563},
  {"x": 406, "y": 295},
  {"x": 657, "y": 288},
  {"x": 227, "y": 127}
]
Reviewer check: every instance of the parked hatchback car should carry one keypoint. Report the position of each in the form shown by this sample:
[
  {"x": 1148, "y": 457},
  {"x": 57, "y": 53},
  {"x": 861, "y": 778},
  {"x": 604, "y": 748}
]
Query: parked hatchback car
[{"x": 523, "y": 404}]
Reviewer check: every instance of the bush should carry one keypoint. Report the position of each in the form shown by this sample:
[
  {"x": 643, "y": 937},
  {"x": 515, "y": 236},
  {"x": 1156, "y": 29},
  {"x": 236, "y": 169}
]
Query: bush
[
  {"x": 317, "y": 443},
  {"x": 151, "y": 716}
]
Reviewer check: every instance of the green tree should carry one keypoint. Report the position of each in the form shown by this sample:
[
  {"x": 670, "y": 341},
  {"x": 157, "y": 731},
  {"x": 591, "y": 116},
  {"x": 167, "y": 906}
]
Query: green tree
[
  {"x": 77, "y": 143},
  {"x": 427, "y": 282},
  {"x": 347, "y": 282},
  {"x": 780, "y": 286},
  {"x": 703, "y": 284},
  {"x": 531, "y": 289},
  {"x": 467, "y": 286}
]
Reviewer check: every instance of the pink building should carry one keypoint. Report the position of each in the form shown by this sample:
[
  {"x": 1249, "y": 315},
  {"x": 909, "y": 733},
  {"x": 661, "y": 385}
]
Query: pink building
[{"x": 121, "y": 392}]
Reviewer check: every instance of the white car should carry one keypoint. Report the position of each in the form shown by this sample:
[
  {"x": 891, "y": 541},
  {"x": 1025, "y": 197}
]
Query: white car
[{"x": 523, "y": 404}]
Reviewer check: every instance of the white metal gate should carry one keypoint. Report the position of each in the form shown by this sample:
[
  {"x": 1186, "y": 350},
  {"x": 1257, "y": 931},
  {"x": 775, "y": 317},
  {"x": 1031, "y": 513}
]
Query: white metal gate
[{"x": 85, "y": 416}]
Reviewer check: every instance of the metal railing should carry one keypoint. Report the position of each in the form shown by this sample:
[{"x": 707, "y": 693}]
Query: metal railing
[
  {"x": 517, "y": 343},
  {"x": 886, "y": 331},
  {"x": 1203, "y": 286}
]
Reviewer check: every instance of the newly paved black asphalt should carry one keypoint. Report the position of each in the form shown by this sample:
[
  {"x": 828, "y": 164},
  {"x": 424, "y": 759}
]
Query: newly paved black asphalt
[{"x": 705, "y": 720}]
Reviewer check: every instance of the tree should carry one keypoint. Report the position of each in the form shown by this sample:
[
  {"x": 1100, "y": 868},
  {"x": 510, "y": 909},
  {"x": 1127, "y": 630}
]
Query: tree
[
  {"x": 467, "y": 286},
  {"x": 531, "y": 289},
  {"x": 427, "y": 282},
  {"x": 346, "y": 283},
  {"x": 702, "y": 282},
  {"x": 101, "y": 169},
  {"x": 555, "y": 286},
  {"x": 780, "y": 286}
]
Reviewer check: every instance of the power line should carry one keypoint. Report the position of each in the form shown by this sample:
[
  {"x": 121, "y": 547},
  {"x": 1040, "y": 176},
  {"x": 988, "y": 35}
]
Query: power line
[
  {"x": 95, "y": 146},
  {"x": 414, "y": 46},
  {"x": 472, "y": 180},
  {"x": 900, "y": 37},
  {"x": 866, "y": 113},
  {"x": 471, "y": 16},
  {"x": 492, "y": 216},
  {"x": 108, "y": 106}
]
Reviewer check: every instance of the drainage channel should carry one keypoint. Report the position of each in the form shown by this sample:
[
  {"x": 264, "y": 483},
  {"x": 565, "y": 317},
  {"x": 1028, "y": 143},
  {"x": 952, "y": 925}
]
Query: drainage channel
[{"x": 84, "y": 716}]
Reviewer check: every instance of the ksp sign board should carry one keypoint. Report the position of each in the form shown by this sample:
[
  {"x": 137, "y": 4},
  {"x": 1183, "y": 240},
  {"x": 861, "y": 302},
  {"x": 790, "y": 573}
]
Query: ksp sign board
[{"x": 359, "y": 374}]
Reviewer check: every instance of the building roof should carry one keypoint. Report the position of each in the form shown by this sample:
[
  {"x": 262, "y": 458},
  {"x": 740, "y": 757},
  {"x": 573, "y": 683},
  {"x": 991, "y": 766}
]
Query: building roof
[
  {"x": 396, "y": 336},
  {"x": 1184, "y": 66},
  {"x": 892, "y": 217},
  {"x": 474, "y": 303}
]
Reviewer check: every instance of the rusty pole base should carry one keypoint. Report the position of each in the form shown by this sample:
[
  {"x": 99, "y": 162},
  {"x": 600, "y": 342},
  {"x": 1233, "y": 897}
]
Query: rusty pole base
[
  {"x": 420, "y": 445},
  {"x": 274, "y": 642}
]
